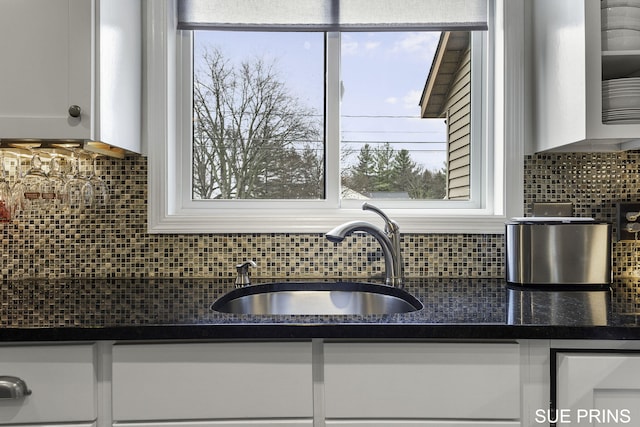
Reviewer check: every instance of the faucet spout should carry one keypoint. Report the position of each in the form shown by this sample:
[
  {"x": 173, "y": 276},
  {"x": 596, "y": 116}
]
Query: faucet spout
[{"x": 389, "y": 239}]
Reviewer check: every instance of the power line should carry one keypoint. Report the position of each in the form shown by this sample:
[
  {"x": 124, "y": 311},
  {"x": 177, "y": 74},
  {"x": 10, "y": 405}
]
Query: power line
[
  {"x": 392, "y": 131},
  {"x": 345, "y": 141},
  {"x": 350, "y": 116}
]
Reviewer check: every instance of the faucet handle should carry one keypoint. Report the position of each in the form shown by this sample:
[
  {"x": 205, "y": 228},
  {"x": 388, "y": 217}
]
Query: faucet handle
[
  {"x": 242, "y": 279},
  {"x": 390, "y": 225}
]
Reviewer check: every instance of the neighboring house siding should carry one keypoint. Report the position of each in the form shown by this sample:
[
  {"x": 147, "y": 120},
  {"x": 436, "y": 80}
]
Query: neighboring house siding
[{"x": 458, "y": 108}]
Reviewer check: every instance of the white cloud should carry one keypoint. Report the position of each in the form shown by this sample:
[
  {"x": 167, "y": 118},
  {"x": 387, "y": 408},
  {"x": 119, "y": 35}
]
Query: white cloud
[
  {"x": 369, "y": 46},
  {"x": 423, "y": 43},
  {"x": 391, "y": 100},
  {"x": 411, "y": 99},
  {"x": 349, "y": 47},
  {"x": 353, "y": 47}
]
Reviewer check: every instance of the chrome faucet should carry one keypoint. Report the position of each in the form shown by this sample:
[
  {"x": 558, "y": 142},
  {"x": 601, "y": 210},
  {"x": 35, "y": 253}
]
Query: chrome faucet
[{"x": 389, "y": 239}]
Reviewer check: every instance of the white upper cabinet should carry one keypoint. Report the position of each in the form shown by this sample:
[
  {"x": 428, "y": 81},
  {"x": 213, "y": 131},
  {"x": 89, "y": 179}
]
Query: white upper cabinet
[
  {"x": 71, "y": 69},
  {"x": 568, "y": 66}
]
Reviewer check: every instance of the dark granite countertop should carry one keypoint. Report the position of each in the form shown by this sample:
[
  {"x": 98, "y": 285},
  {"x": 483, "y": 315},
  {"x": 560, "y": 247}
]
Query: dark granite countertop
[{"x": 179, "y": 309}]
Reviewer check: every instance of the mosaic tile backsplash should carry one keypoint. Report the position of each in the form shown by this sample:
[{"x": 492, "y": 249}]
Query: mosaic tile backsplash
[{"x": 112, "y": 241}]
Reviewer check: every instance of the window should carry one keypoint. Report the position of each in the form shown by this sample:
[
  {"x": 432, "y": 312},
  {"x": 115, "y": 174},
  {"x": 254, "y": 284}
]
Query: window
[
  {"x": 324, "y": 146},
  {"x": 259, "y": 115},
  {"x": 389, "y": 152}
]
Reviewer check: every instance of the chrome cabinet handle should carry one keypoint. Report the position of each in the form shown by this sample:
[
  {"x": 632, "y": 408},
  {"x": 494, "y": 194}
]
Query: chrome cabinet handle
[
  {"x": 75, "y": 110},
  {"x": 13, "y": 387}
]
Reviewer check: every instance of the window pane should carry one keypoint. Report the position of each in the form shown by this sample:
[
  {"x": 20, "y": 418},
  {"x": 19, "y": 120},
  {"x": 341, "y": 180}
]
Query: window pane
[
  {"x": 388, "y": 149},
  {"x": 258, "y": 125}
]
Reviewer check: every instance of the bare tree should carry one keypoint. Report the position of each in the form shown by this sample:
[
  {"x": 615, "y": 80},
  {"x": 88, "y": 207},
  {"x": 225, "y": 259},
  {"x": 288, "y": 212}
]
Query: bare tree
[{"x": 246, "y": 127}]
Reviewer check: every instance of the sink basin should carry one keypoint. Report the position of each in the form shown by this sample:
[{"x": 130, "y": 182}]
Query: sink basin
[{"x": 317, "y": 298}]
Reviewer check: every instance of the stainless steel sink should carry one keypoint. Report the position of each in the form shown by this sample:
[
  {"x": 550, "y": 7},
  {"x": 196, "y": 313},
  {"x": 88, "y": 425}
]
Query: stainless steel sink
[{"x": 317, "y": 298}]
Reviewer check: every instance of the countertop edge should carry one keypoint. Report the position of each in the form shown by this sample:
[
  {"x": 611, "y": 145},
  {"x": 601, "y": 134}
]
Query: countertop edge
[{"x": 352, "y": 331}]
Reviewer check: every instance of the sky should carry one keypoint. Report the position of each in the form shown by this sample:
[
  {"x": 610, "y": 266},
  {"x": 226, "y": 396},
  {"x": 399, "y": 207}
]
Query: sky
[{"x": 383, "y": 75}]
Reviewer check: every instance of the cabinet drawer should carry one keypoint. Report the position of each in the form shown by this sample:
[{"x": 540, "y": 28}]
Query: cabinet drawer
[
  {"x": 230, "y": 423},
  {"x": 212, "y": 381},
  {"x": 62, "y": 380},
  {"x": 420, "y": 380}
]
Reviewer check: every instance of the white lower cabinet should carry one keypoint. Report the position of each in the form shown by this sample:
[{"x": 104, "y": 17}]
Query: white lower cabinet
[
  {"x": 295, "y": 384},
  {"x": 230, "y": 384},
  {"x": 61, "y": 380},
  {"x": 422, "y": 384},
  {"x": 420, "y": 423},
  {"x": 226, "y": 423},
  {"x": 333, "y": 384},
  {"x": 598, "y": 389}
]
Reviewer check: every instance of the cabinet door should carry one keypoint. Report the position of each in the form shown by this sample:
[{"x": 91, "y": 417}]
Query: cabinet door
[
  {"x": 234, "y": 423},
  {"x": 599, "y": 389},
  {"x": 62, "y": 380},
  {"x": 419, "y": 423},
  {"x": 209, "y": 381},
  {"x": 45, "y": 46},
  {"x": 567, "y": 70},
  {"x": 419, "y": 380}
]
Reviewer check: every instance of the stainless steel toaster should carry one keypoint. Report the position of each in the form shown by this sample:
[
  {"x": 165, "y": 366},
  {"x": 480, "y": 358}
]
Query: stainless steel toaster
[{"x": 557, "y": 251}]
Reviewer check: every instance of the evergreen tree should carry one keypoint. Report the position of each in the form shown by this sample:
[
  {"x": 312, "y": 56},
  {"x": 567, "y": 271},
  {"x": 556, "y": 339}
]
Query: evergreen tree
[
  {"x": 404, "y": 169},
  {"x": 382, "y": 169},
  {"x": 361, "y": 177}
]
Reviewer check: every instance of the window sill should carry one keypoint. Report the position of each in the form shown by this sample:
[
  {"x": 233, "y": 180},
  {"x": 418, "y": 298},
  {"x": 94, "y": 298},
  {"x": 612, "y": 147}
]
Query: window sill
[{"x": 473, "y": 222}]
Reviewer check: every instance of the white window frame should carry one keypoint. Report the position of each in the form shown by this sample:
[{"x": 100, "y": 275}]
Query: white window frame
[{"x": 171, "y": 210}]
